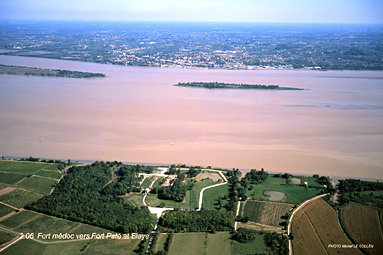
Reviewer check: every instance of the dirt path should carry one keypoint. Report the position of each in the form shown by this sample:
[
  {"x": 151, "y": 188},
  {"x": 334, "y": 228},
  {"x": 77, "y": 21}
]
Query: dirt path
[{"x": 6, "y": 190}]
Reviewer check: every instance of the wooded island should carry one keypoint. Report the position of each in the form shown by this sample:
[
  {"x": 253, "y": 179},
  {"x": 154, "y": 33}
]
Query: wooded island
[{"x": 221, "y": 85}]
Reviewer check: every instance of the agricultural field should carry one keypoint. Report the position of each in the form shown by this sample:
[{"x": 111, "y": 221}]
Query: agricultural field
[
  {"x": 364, "y": 226},
  {"x": 19, "y": 198},
  {"x": 10, "y": 178},
  {"x": 21, "y": 167},
  {"x": 6, "y": 236},
  {"x": 188, "y": 244},
  {"x": 49, "y": 173},
  {"x": 38, "y": 184},
  {"x": 51, "y": 166},
  {"x": 47, "y": 224},
  {"x": 161, "y": 242},
  {"x": 122, "y": 246},
  {"x": 267, "y": 213},
  {"x": 30, "y": 247},
  {"x": 218, "y": 243},
  {"x": 4, "y": 210},
  {"x": 18, "y": 219},
  {"x": 294, "y": 194},
  {"x": 315, "y": 228},
  {"x": 153, "y": 200},
  {"x": 192, "y": 196}
]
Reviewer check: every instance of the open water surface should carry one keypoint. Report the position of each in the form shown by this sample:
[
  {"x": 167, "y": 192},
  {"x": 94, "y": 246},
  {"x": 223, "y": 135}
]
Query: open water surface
[{"x": 333, "y": 127}]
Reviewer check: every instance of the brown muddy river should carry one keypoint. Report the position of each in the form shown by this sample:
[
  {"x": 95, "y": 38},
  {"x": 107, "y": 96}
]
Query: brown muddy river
[{"x": 333, "y": 127}]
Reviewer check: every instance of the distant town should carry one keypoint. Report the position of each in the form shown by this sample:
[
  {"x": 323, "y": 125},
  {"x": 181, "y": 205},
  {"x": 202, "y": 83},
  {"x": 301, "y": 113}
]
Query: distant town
[{"x": 247, "y": 46}]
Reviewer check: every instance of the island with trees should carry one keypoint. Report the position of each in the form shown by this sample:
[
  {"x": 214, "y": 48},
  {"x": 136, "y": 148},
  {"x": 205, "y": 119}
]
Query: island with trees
[
  {"x": 222, "y": 85},
  {"x": 23, "y": 70}
]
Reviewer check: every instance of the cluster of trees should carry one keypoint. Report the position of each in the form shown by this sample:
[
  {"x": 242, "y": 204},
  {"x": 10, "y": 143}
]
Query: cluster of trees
[
  {"x": 254, "y": 177},
  {"x": 197, "y": 221},
  {"x": 352, "y": 192},
  {"x": 277, "y": 242},
  {"x": 236, "y": 190},
  {"x": 244, "y": 235},
  {"x": 80, "y": 197},
  {"x": 193, "y": 171},
  {"x": 176, "y": 192}
]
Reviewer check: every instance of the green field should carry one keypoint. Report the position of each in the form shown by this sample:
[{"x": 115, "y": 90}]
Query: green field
[
  {"x": 18, "y": 219},
  {"x": 112, "y": 247},
  {"x": 158, "y": 181},
  {"x": 253, "y": 210},
  {"x": 30, "y": 247},
  {"x": 161, "y": 241},
  {"x": 295, "y": 194},
  {"x": 47, "y": 224},
  {"x": 48, "y": 173},
  {"x": 10, "y": 178},
  {"x": 147, "y": 181},
  {"x": 51, "y": 166},
  {"x": 4, "y": 210},
  {"x": 210, "y": 196},
  {"x": 192, "y": 196},
  {"x": 21, "y": 167},
  {"x": 38, "y": 184},
  {"x": 19, "y": 198},
  {"x": 188, "y": 244},
  {"x": 218, "y": 243},
  {"x": 257, "y": 246}
]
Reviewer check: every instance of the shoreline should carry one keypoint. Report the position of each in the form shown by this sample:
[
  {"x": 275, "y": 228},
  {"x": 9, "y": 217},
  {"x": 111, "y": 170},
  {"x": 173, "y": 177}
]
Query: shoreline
[
  {"x": 244, "y": 170},
  {"x": 195, "y": 68}
]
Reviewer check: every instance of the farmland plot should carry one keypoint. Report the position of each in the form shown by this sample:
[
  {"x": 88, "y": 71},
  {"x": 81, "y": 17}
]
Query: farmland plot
[
  {"x": 316, "y": 225},
  {"x": 266, "y": 213},
  {"x": 363, "y": 225}
]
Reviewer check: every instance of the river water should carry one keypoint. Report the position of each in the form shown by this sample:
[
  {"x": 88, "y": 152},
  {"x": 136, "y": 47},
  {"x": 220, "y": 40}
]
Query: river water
[{"x": 333, "y": 127}]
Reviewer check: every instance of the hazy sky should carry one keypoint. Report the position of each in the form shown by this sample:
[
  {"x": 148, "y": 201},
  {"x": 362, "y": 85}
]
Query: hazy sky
[{"x": 318, "y": 11}]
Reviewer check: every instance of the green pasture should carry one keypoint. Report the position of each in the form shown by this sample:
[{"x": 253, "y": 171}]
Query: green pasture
[
  {"x": 188, "y": 244},
  {"x": 38, "y": 184},
  {"x": 19, "y": 198},
  {"x": 21, "y": 167},
  {"x": 11, "y": 178},
  {"x": 18, "y": 219},
  {"x": 154, "y": 201},
  {"x": 48, "y": 173},
  {"x": 218, "y": 243},
  {"x": 47, "y": 224},
  {"x": 4, "y": 210},
  {"x": 134, "y": 199},
  {"x": 51, "y": 166},
  {"x": 147, "y": 181}
]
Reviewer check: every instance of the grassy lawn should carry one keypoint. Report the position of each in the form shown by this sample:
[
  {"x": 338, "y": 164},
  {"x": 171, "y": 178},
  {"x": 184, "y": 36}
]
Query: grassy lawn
[
  {"x": 48, "y": 173},
  {"x": 295, "y": 194},
  {"x": 47, "y": 224},
  {"x": 161, "y": 241},
  {"x": 218, "y": 243},
  {"x": 188, "y": 244},
  {"x": 158, "y": 181},
  {"x": 147, "y": 181},
  {"x": 4, "y": 210},
  {"x": 18, "y": 219},
  {"x": 311, "y": 182},
  {"x": 19, "y": 198},
  {"x": 29, "y": 247},
  {"x": 376, "y": 192},
  {"x": 210, "y": 196},
  {"x": 135, "y": 199},
  {"x": 38, "y": 184},
  {"x": 257, "y": 246},
  {"x": 192, "y": 196},
  {"x": 10, "y": 178},
  {"x": 21, "y": 167}
]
